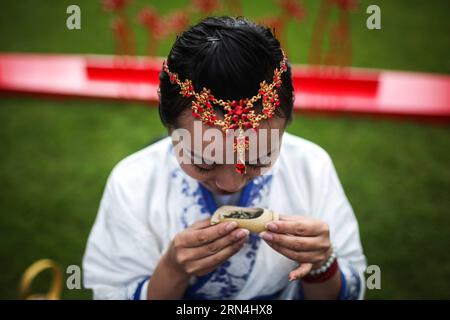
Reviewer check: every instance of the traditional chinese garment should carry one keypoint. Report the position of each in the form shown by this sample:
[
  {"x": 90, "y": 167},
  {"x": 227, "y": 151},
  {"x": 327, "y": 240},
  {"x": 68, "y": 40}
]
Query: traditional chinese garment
[{"x": 148, "y": 199}]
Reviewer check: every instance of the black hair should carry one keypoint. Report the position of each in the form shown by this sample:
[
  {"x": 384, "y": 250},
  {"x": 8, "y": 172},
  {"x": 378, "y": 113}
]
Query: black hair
[{"x": 231, "y": 57}]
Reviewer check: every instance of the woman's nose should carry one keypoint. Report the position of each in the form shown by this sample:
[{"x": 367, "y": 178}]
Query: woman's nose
[{"x": 229, "y": 180}]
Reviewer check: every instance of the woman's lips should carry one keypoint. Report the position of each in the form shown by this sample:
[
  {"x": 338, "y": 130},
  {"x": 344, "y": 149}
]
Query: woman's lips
[
  {"x": 224, "y": 193},
  {"x": 218, "y": 191}
]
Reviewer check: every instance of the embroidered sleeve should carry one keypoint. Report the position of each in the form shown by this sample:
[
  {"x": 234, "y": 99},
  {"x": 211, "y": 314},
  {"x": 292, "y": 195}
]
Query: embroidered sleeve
[{"x": 352, "y": 282}]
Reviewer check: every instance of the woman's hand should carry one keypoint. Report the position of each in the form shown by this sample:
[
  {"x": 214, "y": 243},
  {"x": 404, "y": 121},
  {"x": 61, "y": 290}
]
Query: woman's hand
[
  {"x": 302, "y": 239},
  {"x": 201, "y": 248}
]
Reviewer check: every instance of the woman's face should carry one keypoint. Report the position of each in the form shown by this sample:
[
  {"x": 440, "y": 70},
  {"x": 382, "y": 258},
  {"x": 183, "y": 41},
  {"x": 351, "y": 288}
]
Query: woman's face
[{"x": 222, "y": 178}]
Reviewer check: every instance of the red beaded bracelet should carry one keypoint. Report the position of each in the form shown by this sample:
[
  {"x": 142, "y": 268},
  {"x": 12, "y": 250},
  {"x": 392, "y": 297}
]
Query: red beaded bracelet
[{"x": 331, "y": 271}]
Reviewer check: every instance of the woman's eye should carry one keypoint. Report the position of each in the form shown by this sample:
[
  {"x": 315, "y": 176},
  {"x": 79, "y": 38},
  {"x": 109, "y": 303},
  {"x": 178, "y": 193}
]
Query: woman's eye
[
  {"x": 208, "y": 168},
  {"x": 204, "y": 169},
  {"x": 258, "y": 166}
]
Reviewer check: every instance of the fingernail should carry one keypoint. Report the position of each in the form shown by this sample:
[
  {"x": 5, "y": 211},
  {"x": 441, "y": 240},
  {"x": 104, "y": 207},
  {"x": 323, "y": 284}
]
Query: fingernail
[
  {"x": 266, "y": 236},
  {"x": 292, "y": 277},
  {"x": 230, "y": 226},
  {"x": 242, "y": 233},
  {"x": 271, "y": 226}
]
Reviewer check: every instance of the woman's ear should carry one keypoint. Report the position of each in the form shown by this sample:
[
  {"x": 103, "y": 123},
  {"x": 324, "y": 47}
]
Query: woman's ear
[{"x": 170, "y": 131}]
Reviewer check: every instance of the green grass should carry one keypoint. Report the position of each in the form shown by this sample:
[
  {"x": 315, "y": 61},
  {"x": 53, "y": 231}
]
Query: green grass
[
  {"x": 57, "y": 154},
  {"x": 55, "y": 161}
]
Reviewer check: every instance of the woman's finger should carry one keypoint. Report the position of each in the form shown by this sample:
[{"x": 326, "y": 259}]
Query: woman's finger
[
  {"x": 300, "y": 272},
  {"x": 200, "y": 237},
  {"x": 213, "y": 261},
  {"x": 299, "y": 256},
  {"x": 288, "y": 217},
  {"x": 201, "y": 224},
  {"x": 295, "y": 242},
  {"x": 301, "y": 226},
  {"x": 191, "y": 254}
]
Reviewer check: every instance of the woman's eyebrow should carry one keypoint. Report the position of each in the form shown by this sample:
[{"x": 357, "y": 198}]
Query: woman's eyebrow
[
  {"x": 196, "y": 156},
  {"x": 208, "y": 161}
]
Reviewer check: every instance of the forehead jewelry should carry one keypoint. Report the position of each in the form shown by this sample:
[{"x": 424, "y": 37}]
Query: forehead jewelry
[{"x": 239, "y": 114}]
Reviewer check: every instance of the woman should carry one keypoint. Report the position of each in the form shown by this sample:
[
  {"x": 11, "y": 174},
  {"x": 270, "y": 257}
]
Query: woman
[{"x": 152, "y": 238}]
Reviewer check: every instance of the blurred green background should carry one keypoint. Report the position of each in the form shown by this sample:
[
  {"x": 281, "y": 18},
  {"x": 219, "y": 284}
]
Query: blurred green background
[{"x": 56, "y": 154}]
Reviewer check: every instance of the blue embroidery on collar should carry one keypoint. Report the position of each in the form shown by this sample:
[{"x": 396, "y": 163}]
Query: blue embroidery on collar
[{"x": 191, "y": 193}]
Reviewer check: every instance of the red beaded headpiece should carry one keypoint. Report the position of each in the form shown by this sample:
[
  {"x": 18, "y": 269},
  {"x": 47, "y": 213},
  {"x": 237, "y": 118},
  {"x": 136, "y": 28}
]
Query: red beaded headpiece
[{"x": 239, "y": 114}]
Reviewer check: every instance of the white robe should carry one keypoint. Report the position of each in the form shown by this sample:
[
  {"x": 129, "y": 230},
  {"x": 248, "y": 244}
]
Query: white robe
[{"x": 148, "y": 199}]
